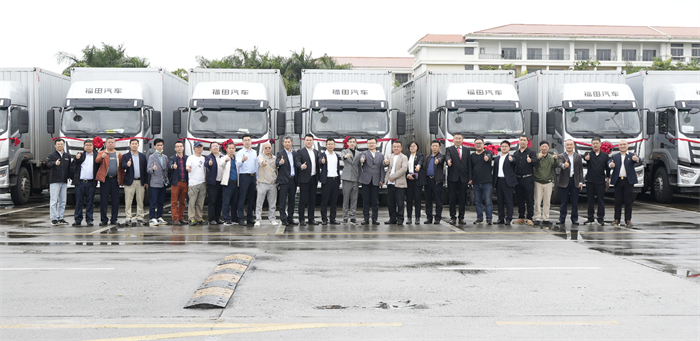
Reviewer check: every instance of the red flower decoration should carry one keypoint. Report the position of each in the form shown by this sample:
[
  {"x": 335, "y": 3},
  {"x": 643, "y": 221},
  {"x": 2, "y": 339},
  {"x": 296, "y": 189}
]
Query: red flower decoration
[
  {"x": 225, "y": 143},
  {"x": 345, "y": 142},
  {"x": 492, "y": 148},
  {"x": 606, "y": 147},
  {"x": 97, "y": 142}
]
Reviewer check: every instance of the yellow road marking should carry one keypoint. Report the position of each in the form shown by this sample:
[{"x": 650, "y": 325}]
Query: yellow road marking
[
  {"x": 239, "y": 256},
  {"x": 557, "y": 323}
]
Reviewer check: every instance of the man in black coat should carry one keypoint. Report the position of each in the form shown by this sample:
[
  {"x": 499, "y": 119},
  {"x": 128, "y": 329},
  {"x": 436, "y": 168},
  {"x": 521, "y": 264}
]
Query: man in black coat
[
  {"x": 597, "y": 179},
  {"x": 458, "y": 175},
  {"x": 329, "y": 176},
  {"x": 434, "y": 165},
  {"x": 84, "y": 172},
  {"x": 59, "y": 163},
  {"x": 505, "y": 181},
  {"x": 306, "y": 162},
  {"x": 623, "y": 179},
  {"x": 287, "y": 179},
  {"x": 525, "y": 161}
]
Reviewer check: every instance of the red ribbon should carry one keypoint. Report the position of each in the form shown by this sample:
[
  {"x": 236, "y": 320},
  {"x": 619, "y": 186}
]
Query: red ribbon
[
  {"x": 529, "y": 143},
  {"x": 225, "y": 142},
  {"x": 15, "y": 140},
  {"x": 686, "y": 140},
  {"x": 98, "y": 142},
  {"x": 358, "y": 142},
  {"x": 606, "y": 146}
]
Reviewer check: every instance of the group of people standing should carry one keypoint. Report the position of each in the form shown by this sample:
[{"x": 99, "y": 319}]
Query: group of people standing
[{"x": 235, "y": 178}]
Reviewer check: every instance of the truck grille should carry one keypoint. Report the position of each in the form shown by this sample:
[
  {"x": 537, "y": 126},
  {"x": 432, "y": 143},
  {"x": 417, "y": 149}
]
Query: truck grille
[{"x": 695, "y": 151}]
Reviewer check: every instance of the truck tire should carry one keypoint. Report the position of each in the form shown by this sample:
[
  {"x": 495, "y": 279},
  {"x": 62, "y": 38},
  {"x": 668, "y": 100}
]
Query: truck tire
[
  {"x": 663, "y": 193},
  {"x": 21, "y": 191}
]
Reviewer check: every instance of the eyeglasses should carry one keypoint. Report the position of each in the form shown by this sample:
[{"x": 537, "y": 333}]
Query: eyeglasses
[{"x": 268, "y": 147}]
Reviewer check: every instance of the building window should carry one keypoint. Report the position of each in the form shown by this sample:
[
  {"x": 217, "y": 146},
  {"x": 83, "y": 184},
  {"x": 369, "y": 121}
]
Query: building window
[
  {"x": 556, "y": 54},
  {"x": 677, "y": 51},
  {"x": 604, "y": 54},
  {"x": 482, "y": 50},
  {"x": 401, "y": 77},
  {"x": 581, "y": 54},
  {"x": 469, "y": 51},
  {"x": 469, "y": 67},
  {"x": 696, "y": 51},
  {"x": 648, "y": 55},
  {"x": 534, "y": 54},
  {"x": 629, "y": 55},
  {"x": 509, "y": 53}
]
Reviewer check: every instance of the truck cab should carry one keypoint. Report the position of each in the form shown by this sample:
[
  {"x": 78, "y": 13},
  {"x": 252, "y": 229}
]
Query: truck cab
[
  {"x": 224, "y": 110},
  {"x": 14, "y": 121},
  {"x": 583, "y": 111}
]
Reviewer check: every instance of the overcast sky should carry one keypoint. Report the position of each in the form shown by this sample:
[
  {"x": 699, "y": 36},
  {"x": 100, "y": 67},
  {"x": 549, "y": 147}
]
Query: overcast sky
[{"x": 171, "y": 33}]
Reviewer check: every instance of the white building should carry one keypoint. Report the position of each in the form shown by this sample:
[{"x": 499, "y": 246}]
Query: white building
[
  {"x": 400, "y": 67},
  {"x": 554, "y": 47}
]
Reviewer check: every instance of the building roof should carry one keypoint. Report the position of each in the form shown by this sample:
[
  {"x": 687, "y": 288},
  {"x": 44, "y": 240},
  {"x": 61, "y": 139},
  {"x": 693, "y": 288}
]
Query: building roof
[
  {"x": 377, "y": 62},
  {"x": 591, "y": 31},
  {"x": 442, "y": 38}
]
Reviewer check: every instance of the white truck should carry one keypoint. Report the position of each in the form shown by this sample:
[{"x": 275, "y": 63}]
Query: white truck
[
  {"x": 229, "y": 103},
  {"x": 581, "y": 105},
  {"x": 124, "y": 103},
  {"x": 25, "y": 94},
  {"x": 341, "y": 103},
  {"x": 672, "y": 158}
]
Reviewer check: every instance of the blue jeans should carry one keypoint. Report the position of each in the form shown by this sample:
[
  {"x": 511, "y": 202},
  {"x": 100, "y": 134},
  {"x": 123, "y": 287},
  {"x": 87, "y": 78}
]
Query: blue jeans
[
  {"x": 230, "y": 202},
  {"x": 84, "y": 193},
  {"x": 483, "y": 195},
  {"x": 156, "y": 202},
  {"x": 57, "y": 192}
]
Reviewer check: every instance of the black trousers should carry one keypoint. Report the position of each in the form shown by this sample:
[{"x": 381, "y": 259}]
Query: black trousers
[
  {"x": 623, "y": 195},
  {"x": 413, "y": 198},
  {"x": 395, "y": 203},
  {"x": 109, "y": 193},
  {"x": 433, "y": 191},
  {"x": 525, "y": 194},
  {"x": 504, "y": 194},
  {"x": 214, "y": 199},
  {"x": 458, "y": 193},
  {"x": 307, "y": 196},
  {"x": 287, "y": 194},
  {"x": 329, "y": 194},
  {"x": 596, "y": 194},
  {"x": 246, "y": 191},
  {"x": 370, "y": 197}
]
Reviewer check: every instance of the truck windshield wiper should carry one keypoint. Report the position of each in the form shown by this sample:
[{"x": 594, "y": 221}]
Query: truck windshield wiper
[
  {"x": 588, "y": 132},
  {"x": 212, "y": 132},
  {"x": 79, "y": 131}
]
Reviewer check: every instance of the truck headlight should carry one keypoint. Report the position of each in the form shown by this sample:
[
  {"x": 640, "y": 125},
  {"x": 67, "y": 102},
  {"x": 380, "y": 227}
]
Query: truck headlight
[
  {"x": 687, "y": 172},
  {"x": 4, "y": 175}
]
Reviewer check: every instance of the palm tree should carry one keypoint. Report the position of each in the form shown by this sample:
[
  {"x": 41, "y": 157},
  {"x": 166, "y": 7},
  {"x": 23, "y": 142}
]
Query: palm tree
[
  {"x": 327, "y": 62},
  {"x": 107, "y": 56}
]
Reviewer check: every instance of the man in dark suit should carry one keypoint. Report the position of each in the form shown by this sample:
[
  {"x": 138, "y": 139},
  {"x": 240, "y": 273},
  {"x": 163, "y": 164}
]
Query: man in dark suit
[
  {"x": 416, "y": 181},
  {"x": 371, "y": 178},
  {"x": 458, "y": 175},
  {"x": 623, "y": 178},
  {"x": 505, "y": 181},
  {"x": 329, "y": 176},
  {"x": 135, "y": 181},
  {"x": 306, "y": 161},
  {"x": 570, "y": 183},
  {"x": 434, "y": 165},
  {"x": 287, "y": 179},
  {"x": 597, "y": 181},
  {"x": 214, "y": 164},
  {"x": 84, "y": 172}
]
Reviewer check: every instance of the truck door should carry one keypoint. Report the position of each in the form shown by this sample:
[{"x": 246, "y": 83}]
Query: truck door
[{"x": 14, "y": 131}]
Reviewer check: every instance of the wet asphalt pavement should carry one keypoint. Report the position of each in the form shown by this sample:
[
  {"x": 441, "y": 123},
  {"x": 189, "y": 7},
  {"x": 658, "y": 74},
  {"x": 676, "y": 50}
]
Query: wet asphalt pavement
[{"x": 416, "y": 282}]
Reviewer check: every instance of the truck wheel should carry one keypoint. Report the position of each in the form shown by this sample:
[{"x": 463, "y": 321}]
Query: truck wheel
[
  {"x": 663, "y": 192},
  {"x": 556, "y": 196},
  {"x": 21, "y": 191}
]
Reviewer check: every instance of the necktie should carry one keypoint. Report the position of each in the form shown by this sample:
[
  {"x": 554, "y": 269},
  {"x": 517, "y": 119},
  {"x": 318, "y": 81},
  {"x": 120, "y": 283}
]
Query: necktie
[{"x": 460, "y": 152}]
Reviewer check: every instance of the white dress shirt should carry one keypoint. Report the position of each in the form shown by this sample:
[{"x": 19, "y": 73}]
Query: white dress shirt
[
  {"x": 501, "y": 161},
  {"x": 332, "y": 163},
  {"x": 313, "y": 160},
  {"x": 393, "y": 169}
]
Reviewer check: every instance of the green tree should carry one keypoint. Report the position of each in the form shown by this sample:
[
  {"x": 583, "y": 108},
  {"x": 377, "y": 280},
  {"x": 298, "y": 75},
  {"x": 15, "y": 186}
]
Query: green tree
[
  {"x": 661, "y": 64},
  {"x": 583, "y": 65},
  {"x": 107, "y": 56},
  {"x": 182, "y": 73}
]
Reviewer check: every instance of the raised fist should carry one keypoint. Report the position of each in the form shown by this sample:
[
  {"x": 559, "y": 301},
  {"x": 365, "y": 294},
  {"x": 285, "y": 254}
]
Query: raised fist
[
  {"x": 245, "y": 158},
  {"x": 303, "y": 166},
  {"x": 635, "y": 158},
  {"x": 128, "y": 164},
  {"x": 612, "y": 164},
  {"x": 510, "y": 158},
  {"x": 210, "y": 162},
  {"x": 281, "y": 161},
  {"x": 347, "y": 156},
  {"x": 554, "y": 156},
  {"x": 566, "y": 164},
  {"x": 588, "y": 156},
  {"x": 528, "y": 159},
  {"x": 155, "y": 166},
  {"x": 437, "y": 161},
  {"x": 174, "y": 165},
  {"x": 58, "y": 162},
  {"x": 323, "y": 160},
  {"x": 104, "y": 155},
  {"x": 362, "y": 159},
  {"x": 386, "y": 161},
  {"x": 77, "y": 157},
  {"x": 264, "y": 163},
  {"x": 449, "y": 162},
  {"x": 486, "y": 157},
  {"x": 189, "y": 169}
]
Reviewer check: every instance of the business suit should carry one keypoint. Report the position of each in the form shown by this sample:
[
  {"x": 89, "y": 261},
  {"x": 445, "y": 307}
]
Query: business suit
[
  {"x": 624, "y": 185},
  {"x": 351, "y": 184},
  {"x": 596, "y": 179},
  {"x": 84, "y": 188},
  {"x": 415, "y": 186},
  {"x": 330, "y": 186},
  {"x": 134, "y": 183},
  {"x": 458, "y": 176},
  {"x": 371, "y": 177},
  {"x": 288, "y": 185},
  {"x": 214, "y": 191},
  {"x": 396, "y": 181},
  {"x": 505, "y": 181},
  {"x": 434, "y": 177},
  {"x": 308, "y": 182},
  {"x": 569, "y": 185}
]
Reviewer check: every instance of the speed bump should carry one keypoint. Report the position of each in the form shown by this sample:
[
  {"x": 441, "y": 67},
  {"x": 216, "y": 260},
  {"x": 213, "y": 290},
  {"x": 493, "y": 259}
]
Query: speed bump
[{"x": 218, "y": 288}]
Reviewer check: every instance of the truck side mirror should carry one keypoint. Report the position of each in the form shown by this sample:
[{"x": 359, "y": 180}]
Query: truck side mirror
[
  {"x": 177, "y": 122},
  {"x": 50, "y": 122},
  {"x": 534, "y": 123},
  {"x": 433, "y": 122},
  {"x": 23, "y": 121},
  {"x": 281, "y": 123},
  {"x": 663, "y": 122},
  {"x": 297, "y": 122},
  {"x": 651, "y": 122},
  {"x": 400, "y": 123},
  {"x": 156, "y": 122},
  {"x": 550, "y": 122}
]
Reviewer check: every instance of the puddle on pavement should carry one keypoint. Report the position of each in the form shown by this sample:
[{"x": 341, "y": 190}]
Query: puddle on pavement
[
  {"x": 330, "y": 307},
  {"x": 401, "y": 305},
  {"x": 472, "y": 272},
  {"x": 671, "y": 224},
  {"x": 14, "y": 234},
  {"x": 435, "y": 264}
]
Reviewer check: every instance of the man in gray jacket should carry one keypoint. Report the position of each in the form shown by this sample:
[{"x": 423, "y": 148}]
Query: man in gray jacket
[
  {"x": 371, "y": 178},
  {"x": 350, "y": 176},
  {"x": 570, "y": 183},
  {"x": 158, "y": 169}
]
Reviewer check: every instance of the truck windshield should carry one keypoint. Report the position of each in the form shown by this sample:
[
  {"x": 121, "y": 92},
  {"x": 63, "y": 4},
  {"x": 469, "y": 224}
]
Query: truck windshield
[
  {"x": 375, "y": 123},
  {"x": 99, "y": 121},
  {"x": 611, "y": 124},
  {"x": 3, "y": 121},
  {"x": 228, "y": 122},
  {"x": 690, "y": 123},
  {"x": 485, "y": 123}
]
